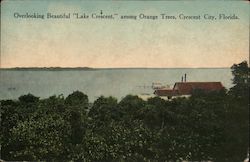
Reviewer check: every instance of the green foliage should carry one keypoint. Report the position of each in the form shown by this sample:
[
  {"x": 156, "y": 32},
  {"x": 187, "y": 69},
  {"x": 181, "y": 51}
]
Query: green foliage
[
  {"x": 104, "y": 110},
  {"x": 206, "y": 126},
  {"x": 77, "y": 99},
  {"x": 39, "y": 138},
  {"x": 237, "y": 116},
  {"x": 29, "y": 98},
  {"x": 241, "y": 80}
]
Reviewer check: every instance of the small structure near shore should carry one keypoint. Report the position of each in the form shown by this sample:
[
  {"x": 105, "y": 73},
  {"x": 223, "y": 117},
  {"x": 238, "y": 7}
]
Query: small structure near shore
[{"x": 185, "y": 89}]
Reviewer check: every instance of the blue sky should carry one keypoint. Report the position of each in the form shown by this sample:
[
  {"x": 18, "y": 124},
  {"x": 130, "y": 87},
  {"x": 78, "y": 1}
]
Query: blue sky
[{"x": 124, "y": 43}]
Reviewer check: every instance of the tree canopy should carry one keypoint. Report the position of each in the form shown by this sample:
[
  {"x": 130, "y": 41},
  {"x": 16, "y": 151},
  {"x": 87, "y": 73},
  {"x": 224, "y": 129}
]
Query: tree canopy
[{"x": 206, "y": 126}]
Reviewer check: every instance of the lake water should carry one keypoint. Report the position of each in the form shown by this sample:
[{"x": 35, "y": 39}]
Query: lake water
[{"x": 94, "y": 83}]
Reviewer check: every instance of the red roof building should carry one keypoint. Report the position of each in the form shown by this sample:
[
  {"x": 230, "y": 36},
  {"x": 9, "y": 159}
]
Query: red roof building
[{"x": 186, "y": 88}]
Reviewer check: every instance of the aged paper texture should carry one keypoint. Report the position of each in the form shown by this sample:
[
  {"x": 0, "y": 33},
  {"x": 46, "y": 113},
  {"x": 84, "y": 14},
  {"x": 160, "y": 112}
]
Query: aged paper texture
[{"x": 116, "y": 80}]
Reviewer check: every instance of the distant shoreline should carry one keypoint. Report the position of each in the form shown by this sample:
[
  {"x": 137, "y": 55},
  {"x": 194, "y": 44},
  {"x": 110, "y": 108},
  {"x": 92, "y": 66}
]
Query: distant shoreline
[
  {"x": 46, "y": 68},
  {"x": 89, "y": 68}
]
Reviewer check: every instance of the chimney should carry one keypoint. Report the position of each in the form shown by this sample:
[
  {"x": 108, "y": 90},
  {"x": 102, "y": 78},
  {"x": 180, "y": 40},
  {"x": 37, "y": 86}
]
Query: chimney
[
  {"x": 181, "y": 78},
  {"x": 185, "y": 78}
]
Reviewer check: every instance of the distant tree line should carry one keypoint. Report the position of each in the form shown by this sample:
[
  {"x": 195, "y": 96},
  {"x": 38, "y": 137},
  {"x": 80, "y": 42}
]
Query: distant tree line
[{"x": 212, "y": 126}]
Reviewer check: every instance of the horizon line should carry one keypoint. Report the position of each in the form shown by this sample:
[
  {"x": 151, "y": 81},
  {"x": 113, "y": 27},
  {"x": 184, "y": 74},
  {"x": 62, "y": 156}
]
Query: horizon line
[{"x": 84, "y": 67}]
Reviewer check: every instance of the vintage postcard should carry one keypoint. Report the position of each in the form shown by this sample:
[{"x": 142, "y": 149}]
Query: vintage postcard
[{"x": 124, "y": 80}]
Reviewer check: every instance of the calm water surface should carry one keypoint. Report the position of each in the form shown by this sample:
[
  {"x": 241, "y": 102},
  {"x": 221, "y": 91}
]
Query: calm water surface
[{"x": 94, "y": 83}]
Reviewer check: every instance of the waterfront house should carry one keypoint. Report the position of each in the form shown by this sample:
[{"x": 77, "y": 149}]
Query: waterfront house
[{"x": 185, "y": 89}]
